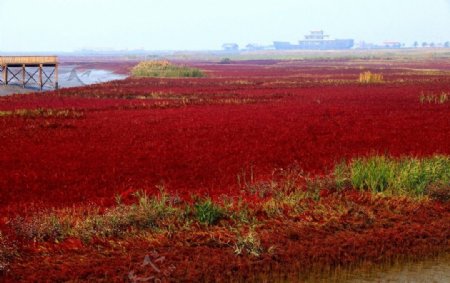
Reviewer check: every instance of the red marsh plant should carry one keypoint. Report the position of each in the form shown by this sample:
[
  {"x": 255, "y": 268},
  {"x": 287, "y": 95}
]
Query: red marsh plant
[
  {"x": 259, "y": 235},
  {"x": 290, "y": 194}
]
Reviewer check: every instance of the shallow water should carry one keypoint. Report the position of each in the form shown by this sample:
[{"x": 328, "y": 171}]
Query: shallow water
[{"x": 69, "y": 76}]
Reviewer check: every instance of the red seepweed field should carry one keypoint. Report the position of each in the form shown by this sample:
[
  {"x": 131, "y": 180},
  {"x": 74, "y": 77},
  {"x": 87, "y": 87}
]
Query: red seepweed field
[{"x": 224, "y": 135}]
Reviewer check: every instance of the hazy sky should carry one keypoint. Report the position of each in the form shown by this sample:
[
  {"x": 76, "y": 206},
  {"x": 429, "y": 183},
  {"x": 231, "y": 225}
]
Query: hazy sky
[{"x": 66, "y": 25}]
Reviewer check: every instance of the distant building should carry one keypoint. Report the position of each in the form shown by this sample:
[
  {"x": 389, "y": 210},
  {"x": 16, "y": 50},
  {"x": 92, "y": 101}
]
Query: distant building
[
  {"x": 366, "y": 45},
  {"x": 254, "y": 47},
  {"x": 232, "y": 47},
  {"x": 283, "y": 45},
  {"x": 316, "y": 35},
  {"x": 392, "y": 44},
  {"x": 316, "y": 40}
]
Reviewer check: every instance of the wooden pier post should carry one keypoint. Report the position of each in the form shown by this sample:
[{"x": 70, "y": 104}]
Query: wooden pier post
[
  {"x": 5, "y": 75},
  {"x": 56, "y": 77},
  {"x": 23, "y": 75},
  {"x": 40, "y": 77}
]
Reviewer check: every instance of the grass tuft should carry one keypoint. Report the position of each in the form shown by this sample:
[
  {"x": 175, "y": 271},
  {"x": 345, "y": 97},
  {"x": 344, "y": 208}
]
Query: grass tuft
[
  {"x": 149, "y": 213},
  {"x": 404, "y": 176},
  {"x": 225, "y": 60},
  {"x": 207, "y": 212},
  {"x": 434, "y": 98},
  {"x": 248, "y": 244},
  {"x": 165, "y": 69},
  {"x": 370, "y": 78}
]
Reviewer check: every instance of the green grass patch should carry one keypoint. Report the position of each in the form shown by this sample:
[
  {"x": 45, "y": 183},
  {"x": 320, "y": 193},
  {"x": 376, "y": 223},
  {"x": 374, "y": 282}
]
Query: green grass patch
[
  {"x": 208, "y": 212},
  {"x": 148, "y": 213},
  {"x": 165, "y": 69},
  {"x": 403, "y": 176}
]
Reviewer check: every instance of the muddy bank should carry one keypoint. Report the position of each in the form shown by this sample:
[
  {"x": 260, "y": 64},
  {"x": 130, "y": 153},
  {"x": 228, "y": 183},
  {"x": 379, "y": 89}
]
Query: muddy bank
[
  {"x": 430, "y": 270},
  {"x": 12, "y": 89},
  {"x": 420, "y": 272}
]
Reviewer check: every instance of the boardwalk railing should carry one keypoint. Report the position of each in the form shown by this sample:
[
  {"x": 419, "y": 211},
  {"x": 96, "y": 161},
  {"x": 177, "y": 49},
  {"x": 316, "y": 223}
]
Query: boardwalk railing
[{"x": 22, "y": 70}]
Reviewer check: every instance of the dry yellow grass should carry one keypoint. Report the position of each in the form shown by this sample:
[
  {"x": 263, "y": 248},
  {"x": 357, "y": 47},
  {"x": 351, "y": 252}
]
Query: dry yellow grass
[
  {"x": 370, "y": 78},
  {"x": 164, "y": 69}
]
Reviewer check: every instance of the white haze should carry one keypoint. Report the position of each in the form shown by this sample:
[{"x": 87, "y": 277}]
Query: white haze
[{"x": 66, "y": 25}]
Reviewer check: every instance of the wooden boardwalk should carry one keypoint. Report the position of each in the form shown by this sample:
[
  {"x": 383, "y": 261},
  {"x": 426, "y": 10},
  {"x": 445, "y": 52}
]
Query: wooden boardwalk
[{"x": 24, "y": 69}]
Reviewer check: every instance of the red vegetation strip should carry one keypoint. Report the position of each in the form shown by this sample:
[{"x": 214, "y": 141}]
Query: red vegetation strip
[
  {"x": 369, "y": 229},
  {"x": 197, "y": 135},
  {"x": 123, "y": 144}
]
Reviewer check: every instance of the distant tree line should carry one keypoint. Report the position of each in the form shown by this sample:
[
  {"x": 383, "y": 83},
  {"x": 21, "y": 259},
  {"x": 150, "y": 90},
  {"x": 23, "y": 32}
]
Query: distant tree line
[{"x": 431, "y": 44}]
